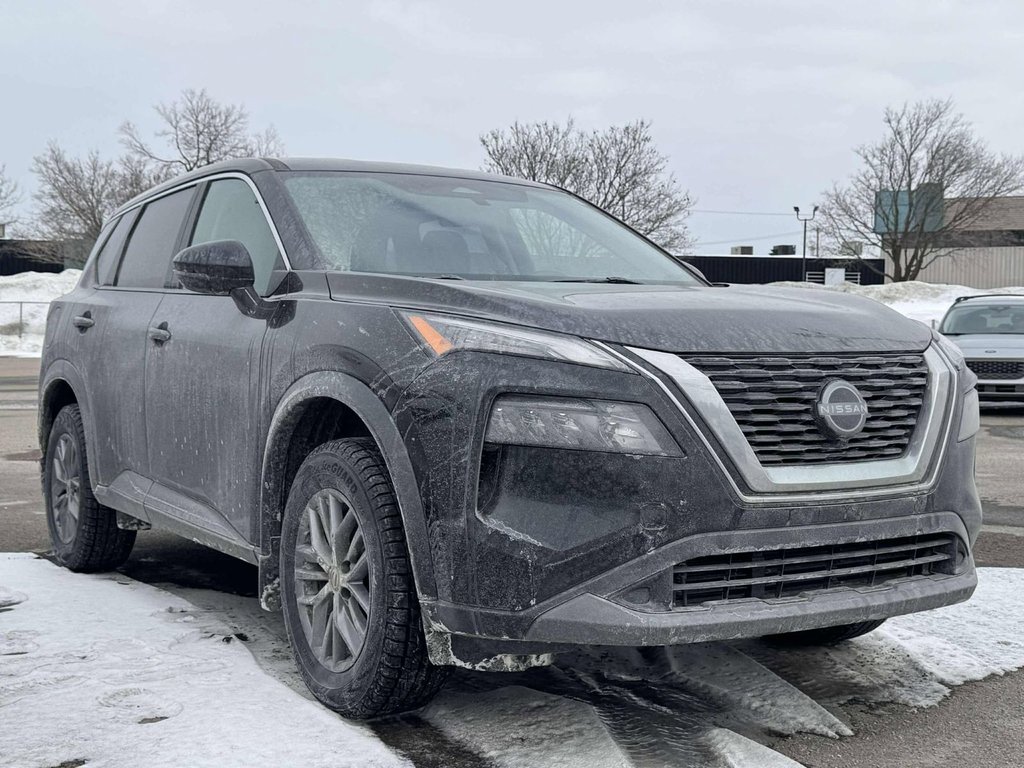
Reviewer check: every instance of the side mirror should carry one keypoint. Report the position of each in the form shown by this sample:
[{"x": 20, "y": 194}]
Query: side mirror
[{"x": 218, "y": 267}]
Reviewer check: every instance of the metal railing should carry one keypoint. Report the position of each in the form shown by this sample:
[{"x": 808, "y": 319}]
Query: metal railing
[{"x": 21, "y": 314}]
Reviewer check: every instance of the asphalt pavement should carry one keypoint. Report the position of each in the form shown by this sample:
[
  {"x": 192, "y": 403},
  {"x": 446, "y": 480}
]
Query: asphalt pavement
[{"x": 980, "y": 724}]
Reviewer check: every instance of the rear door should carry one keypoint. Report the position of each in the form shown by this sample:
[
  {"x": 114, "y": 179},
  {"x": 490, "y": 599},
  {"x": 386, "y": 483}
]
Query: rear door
[
  {"x": 130, "y": 291},
  {"x": 203, "y": 389}
]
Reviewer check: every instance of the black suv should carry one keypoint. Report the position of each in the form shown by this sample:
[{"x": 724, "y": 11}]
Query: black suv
[{"x": 459, "y": 419}]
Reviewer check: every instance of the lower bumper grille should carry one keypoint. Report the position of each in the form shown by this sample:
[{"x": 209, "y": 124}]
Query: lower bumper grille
[
  {"x": 780, "y": 573},
  {"x": 997, "y": 369}
]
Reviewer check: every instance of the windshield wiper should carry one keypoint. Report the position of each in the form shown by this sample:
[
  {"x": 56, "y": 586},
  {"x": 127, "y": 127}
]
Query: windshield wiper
[{"x": 612, "y": 279}]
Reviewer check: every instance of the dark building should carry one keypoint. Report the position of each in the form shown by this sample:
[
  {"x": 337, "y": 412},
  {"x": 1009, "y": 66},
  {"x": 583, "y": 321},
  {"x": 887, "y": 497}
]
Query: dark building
[
  {"x": 773, "y": 269},
  {"x": 41, "y": 256}
]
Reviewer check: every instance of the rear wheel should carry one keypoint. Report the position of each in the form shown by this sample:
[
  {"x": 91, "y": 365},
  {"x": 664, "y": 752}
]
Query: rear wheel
[
  {"x": 827, "y": 635},
  {"x": 349, "y": 603},
  {"x": 84, "y": 533}
]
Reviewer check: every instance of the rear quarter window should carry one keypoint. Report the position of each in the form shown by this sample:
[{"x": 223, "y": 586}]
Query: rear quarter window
[
  {"x": 110, "y": 254},
  {"x": 147, "y": 259}
]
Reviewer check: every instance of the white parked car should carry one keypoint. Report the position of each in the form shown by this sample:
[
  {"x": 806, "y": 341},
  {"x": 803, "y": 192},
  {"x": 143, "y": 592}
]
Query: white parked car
[{"x": 989, "y": 330}]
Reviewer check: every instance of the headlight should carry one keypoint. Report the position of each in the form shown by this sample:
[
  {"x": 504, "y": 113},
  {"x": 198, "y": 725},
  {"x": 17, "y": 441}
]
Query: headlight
[
  {"x": 442, "y": 334},
  {"x": 586, "y": 425},
  {"x": 970, "y": 420}
]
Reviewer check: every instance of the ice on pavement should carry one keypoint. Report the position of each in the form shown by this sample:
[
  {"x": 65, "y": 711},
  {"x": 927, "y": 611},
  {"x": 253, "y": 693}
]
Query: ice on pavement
[
  {"x": 22, "y": 328},
  {"x": 119, "y": 673}
]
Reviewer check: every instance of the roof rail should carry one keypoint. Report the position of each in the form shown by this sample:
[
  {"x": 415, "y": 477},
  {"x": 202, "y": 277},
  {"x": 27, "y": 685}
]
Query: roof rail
[{"x": 958, "y": 299}]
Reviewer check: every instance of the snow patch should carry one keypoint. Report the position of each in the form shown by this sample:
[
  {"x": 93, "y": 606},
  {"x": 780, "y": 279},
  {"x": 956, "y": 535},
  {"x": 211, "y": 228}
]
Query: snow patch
[
  {"x": 22, "y": 328},
  {"x": 136, "y": 681}
]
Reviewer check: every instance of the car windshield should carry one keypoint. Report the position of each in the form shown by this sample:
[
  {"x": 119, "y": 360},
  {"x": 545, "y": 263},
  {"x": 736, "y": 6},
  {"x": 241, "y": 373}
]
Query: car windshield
[
  {"x": 436, "y": 226},
  {"x": 977, "y": 318}
]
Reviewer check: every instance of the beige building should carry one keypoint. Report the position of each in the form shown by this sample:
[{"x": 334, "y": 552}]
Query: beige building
[{"x": 993, "y": 252}]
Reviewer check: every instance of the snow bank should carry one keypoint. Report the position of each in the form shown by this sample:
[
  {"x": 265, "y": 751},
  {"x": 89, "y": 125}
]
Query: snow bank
[
  {"x": 22, "y": 334},
  {"x": 111, "y": 671},
  {"x": 926, "y": 302}
]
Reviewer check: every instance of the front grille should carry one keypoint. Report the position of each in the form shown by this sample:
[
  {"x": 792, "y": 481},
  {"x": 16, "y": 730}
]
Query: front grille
[
  {"x": 795, "y": 571},
  {"x": 997, "y": 369},
  {"x": 773, "y": 400}
]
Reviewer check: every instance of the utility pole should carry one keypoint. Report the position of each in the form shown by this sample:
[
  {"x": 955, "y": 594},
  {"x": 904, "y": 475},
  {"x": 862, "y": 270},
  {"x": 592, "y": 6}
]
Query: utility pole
[{"x": 804, "y": 219}]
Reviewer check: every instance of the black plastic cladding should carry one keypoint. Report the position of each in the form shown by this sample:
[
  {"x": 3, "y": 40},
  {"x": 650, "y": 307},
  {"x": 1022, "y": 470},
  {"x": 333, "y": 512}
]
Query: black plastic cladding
[{"x": 338, "y": 339}]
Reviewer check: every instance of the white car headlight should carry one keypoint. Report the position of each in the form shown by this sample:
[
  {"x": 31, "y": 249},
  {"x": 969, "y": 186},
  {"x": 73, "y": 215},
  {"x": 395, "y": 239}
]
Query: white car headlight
[{"x": 442, "y": 334}]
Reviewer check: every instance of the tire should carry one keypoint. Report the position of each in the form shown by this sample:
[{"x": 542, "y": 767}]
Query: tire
[
  {"x": 827, "y": 635},
  {"x": 333, "y": 590},
  {"x": 84, "y": 533}
]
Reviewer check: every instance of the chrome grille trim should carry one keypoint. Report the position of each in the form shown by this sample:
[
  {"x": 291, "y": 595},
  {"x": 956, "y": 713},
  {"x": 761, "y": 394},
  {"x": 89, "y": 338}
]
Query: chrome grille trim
[
  {"x": 772, "y": 399},
  {"x": 823, "y": 482}
]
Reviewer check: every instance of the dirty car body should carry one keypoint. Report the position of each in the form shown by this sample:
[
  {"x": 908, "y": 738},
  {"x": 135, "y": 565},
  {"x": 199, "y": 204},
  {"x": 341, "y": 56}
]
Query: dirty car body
[{"x": 579, "y": 455}]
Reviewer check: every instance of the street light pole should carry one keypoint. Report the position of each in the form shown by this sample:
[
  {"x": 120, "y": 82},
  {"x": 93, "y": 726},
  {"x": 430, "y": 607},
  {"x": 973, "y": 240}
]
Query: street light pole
[{"x": 804, "y": 219}]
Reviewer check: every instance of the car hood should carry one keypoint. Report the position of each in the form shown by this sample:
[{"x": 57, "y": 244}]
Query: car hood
[
  {"x": 699, "y": 319},
  {"x": 990, "y": 345}
]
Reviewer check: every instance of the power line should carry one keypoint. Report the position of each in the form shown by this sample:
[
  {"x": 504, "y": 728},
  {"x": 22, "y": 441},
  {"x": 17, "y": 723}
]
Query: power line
[
  {"x": 739, "y": 213},
  {"x": 742, "y": 240}
]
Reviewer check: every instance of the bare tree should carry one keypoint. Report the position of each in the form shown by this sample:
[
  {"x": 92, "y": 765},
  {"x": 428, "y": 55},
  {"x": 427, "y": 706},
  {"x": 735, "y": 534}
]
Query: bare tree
[
  {"x": 618, "y": 169},
  {"x": 921, "y": 188},
  {"x": 10, "y": 196},
  {"x": 76, "y": 195},
  {"x": 198, "y": 131}
]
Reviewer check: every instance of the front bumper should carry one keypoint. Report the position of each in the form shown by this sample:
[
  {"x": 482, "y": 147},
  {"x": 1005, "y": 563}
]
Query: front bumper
[
  {"x": 551, "y": 566},
  {"x": 1001, "y": 392},
  {"x": 593, "y": 619}
]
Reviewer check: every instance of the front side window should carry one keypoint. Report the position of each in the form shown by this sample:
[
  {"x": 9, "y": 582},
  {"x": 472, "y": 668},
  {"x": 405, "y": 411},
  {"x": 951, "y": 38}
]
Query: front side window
[
  {"x": 147, "y": 260},
  {"x": 232, "y": 212},
  {"x": 968, "y": 319},
  {"x": 435, "y": 226}
]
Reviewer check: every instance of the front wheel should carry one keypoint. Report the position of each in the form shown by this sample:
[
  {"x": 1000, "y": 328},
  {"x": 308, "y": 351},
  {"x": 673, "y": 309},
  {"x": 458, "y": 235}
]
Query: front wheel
[
  {"x": 350, "y": 604},
  {"x": 827, "y": 635}
]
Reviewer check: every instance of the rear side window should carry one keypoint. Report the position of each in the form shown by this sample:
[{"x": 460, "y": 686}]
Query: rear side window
[
  {"x": 110, "y": 253},
  {"x": 232, "y": 212},
  {"x": 147, "y": 261}
]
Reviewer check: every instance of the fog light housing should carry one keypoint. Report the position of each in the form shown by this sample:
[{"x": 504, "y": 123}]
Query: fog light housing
[{"x": 577, "y": 424}]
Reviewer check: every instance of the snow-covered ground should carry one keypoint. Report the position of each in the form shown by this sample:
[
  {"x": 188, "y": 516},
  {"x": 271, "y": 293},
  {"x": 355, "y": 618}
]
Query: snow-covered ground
[
  {"x": 22, "y": 334},
  {"x": 920, "y": 301},
  {"x": 119, "y": 673}
]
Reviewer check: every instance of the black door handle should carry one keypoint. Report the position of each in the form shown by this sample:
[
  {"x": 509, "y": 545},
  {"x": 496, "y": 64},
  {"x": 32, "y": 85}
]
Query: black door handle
[
  {"x": 84, "y": 321},
  {"x": 159, "y": 333}
]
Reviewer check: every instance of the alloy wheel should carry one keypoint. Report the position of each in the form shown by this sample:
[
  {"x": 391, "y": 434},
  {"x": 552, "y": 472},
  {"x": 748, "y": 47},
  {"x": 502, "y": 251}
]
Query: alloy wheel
[
  {"x": 66, "y": 488},
  {"x": 332, "y": 579}
]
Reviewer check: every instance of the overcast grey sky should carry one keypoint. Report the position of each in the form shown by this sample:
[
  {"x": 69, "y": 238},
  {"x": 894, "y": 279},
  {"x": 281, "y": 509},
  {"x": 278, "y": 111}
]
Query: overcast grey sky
[{"x": 757, "y": 104}]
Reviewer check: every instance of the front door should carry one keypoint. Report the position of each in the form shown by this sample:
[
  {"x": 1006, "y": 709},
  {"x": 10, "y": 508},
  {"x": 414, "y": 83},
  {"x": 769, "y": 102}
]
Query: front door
[{"x": 203, "y": 374}]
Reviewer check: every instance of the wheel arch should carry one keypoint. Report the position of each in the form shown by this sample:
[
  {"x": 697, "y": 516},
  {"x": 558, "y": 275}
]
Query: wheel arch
[
  {"x": 60, "y": 385},
  {"x": 322, "y": 406}
]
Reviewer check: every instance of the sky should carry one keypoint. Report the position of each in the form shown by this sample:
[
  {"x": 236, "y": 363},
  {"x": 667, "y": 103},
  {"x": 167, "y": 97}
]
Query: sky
[{"x": 758, "y": 105}]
